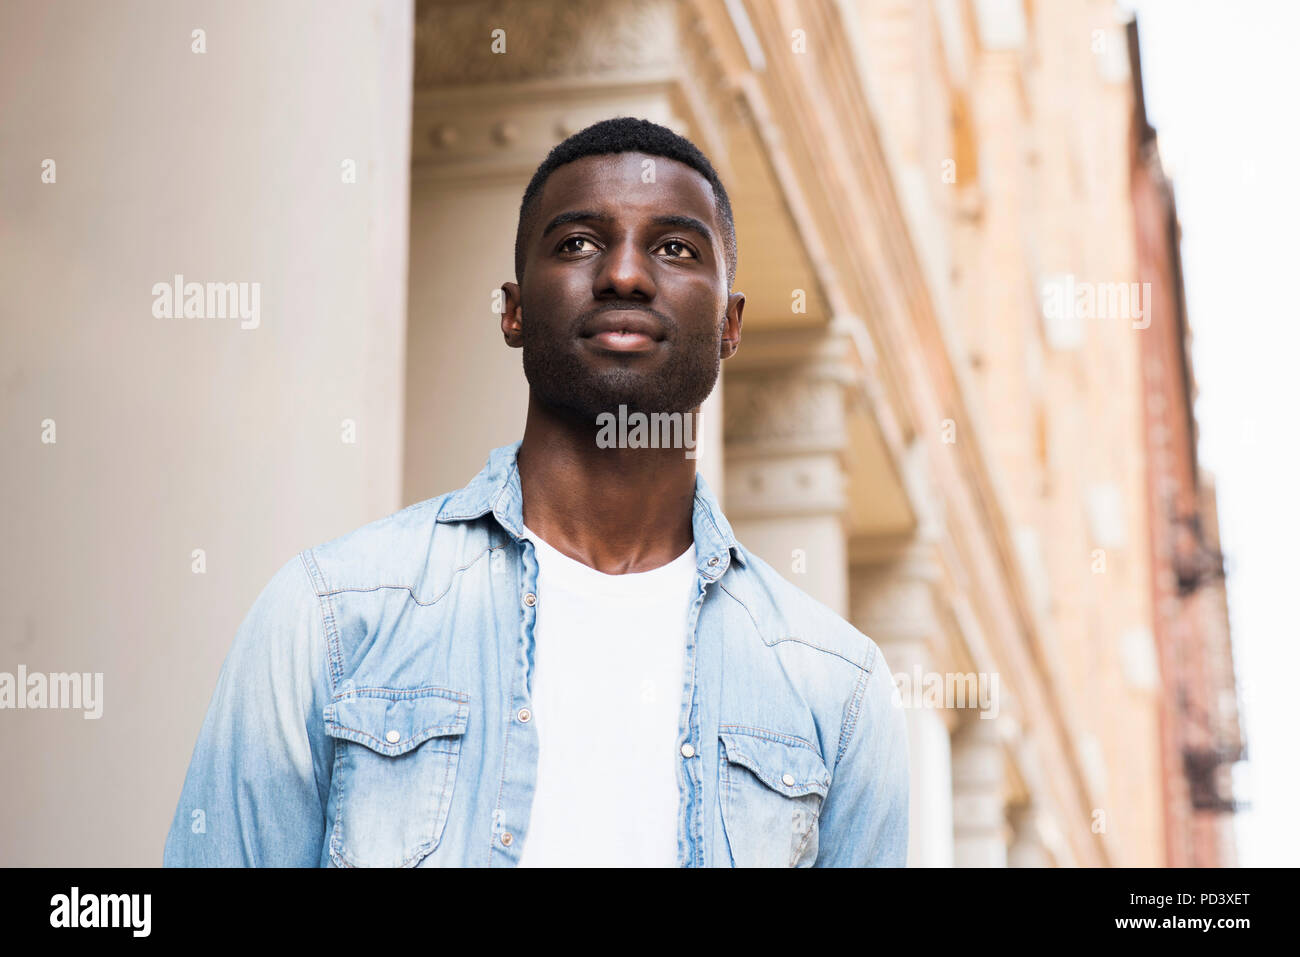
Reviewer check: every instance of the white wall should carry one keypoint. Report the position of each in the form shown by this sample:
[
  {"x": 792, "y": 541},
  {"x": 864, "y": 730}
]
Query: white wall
[
  {"x": 466, "y": 391},
  {"x": 180, "y": 434}
]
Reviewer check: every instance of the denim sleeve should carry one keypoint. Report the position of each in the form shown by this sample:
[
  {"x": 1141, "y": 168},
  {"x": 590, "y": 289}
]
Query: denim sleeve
[
  {"x": 255, "y": 791},
  {"x": 865, "y": 816}
]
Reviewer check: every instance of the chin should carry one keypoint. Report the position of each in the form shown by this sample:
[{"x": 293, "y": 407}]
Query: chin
[{"x": 587, "y": 390}]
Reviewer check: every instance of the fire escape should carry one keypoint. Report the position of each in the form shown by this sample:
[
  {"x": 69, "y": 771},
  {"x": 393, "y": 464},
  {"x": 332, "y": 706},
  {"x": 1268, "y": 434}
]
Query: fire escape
[{"x": 1198, "y": 563}]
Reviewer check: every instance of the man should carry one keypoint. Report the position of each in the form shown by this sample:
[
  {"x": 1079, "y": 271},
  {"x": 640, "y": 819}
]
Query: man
[{"x": 570, "y": 661}]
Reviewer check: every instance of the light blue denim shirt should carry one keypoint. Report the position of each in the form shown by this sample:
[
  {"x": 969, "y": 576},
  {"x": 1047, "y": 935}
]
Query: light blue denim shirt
[{"x": 372, "y": 709}]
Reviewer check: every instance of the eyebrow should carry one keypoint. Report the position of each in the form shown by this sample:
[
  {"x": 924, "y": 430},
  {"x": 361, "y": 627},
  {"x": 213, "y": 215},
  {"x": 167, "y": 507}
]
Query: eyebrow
[{"x": 591, "y": 215}]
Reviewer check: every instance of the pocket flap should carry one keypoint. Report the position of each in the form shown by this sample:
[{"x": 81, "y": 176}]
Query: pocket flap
[
  {"x": 392, "y": 721},
  {"x": 783, "y": 764}
]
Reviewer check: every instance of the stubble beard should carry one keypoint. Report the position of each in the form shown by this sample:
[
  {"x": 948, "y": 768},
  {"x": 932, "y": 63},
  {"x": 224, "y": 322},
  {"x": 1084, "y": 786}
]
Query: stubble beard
[{"x": 560, "y": 379}]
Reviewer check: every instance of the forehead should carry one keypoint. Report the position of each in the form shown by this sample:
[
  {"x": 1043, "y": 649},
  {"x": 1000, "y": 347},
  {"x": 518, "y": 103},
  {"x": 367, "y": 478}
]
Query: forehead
[{"x": 616, "y": 181}]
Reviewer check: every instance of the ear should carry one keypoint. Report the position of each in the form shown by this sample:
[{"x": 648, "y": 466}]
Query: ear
[
  {"x": 731, "y": 327},
  {"x": 512, "y": 316}
]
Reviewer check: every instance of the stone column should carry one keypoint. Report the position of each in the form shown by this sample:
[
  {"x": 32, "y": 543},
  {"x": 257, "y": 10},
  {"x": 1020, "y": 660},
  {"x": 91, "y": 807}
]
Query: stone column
[
  {"x": 219, "y": 446},
  {"x": 1028, "y": 848},
  {"x": 894, "y": 603},
  {"x": 784, "y": 438},
  {"x": 978, "y": 805},
  {"x": 930, "y": 818}
]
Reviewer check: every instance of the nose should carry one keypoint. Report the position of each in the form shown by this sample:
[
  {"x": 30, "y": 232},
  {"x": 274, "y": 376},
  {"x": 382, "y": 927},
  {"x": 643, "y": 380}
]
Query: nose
[{"x": 624, "y": 273}]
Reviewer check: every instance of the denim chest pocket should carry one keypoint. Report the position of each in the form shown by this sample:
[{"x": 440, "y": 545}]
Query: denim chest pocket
[
  {"x": 770, "y": 789},
  {"x": 396, "y": 753}
]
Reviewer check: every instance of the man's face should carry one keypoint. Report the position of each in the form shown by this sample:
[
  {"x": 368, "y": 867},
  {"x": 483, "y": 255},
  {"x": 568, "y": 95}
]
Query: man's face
[{"x": 624, "y": 298}]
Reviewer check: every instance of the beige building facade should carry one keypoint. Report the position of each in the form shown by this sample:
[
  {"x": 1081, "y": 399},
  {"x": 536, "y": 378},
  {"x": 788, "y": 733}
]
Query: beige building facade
[{"x": 921, "y": 426}]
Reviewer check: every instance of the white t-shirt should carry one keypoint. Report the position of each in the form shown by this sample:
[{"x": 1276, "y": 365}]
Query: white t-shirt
[{"x": 607, "y": 693}]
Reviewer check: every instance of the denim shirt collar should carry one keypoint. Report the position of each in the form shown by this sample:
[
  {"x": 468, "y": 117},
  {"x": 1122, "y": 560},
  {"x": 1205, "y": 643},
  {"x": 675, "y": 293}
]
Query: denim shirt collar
[{"x": 496, "y": 489}]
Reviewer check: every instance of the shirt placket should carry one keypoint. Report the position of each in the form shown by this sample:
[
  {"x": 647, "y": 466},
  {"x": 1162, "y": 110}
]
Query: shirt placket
[
  {"x": 520, "y": 749},
  {"x": 690, "y": 842}
]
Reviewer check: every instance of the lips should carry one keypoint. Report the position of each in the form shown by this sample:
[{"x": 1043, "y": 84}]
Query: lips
[{"x": 623, "y": 330}]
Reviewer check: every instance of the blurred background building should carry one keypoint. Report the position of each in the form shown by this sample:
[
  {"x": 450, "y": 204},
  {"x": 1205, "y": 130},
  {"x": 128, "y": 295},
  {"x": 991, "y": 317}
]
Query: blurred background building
[
  {"x": 1201, "y": 734},
  {"x": 960, "y": 414}
]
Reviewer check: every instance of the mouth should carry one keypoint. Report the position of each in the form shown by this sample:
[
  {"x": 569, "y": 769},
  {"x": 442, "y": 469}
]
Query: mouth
[{"x": 623, "y": 330}]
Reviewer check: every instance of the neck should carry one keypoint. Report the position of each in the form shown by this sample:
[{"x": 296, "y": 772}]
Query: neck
[{"x": 616, "y": 510}]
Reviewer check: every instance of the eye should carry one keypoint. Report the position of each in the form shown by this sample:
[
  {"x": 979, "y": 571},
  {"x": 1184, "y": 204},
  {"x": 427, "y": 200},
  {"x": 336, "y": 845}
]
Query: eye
[
  {"x": 690, "y": 253},
  {"x": 566, "y": 247}
]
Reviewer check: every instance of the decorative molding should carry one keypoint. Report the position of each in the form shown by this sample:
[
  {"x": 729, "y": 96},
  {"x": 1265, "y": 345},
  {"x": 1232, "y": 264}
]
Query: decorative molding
[
  {"x": 794, "y": 413},
  {"x": 784, "y": 487},
  {"x": 485, "y": 115},
  {"x": 543, "y": 39},
  {"x": 504, "y": 131}
]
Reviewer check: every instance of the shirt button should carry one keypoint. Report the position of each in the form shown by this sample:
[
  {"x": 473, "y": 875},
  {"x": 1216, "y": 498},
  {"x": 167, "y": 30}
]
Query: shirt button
[
  {"x": 507, "y": 838},
  {"x": 524, "y": 715},
  {"x": 393, "y": 737},
  {"x": 713, "y": 561},
  {"x": 787, "y": 780},
  {"x": 687, "y": 750},
  {"x": 530, "y": 599}
]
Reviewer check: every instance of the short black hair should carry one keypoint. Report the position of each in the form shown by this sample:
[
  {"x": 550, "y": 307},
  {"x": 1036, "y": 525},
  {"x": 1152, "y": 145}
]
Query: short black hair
[{"x": 627, "y": 134}]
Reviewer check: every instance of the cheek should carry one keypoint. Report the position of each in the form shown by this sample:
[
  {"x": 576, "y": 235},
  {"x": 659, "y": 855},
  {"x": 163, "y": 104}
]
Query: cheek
[
  {"x": 543, "y": 316},
  {"x": 703, "y": 331},
  {"x": 705, "y": 311},
  {"x": 545, "y": 289}
]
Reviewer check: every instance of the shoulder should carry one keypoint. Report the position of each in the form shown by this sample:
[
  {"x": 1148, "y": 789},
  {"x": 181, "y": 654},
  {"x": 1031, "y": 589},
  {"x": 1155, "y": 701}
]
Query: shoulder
[
  {"x": 784, "y": 612},
  {"x": 396, "y": 551}
]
